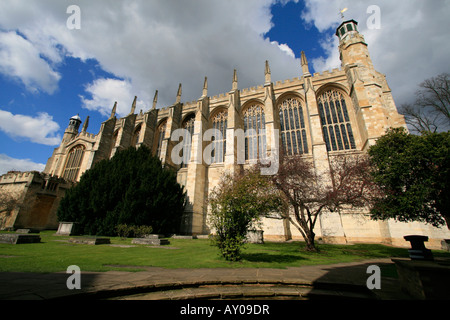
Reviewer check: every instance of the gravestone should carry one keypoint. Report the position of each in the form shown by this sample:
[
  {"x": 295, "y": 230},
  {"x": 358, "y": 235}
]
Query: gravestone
[
  {"x": 445, "y": 244},
  {"x": 175, "y": 236},
  {"x": 150, "y": 241},
  {"x": 153, "y": 236},
  {"x": 418, "y": 250},
  {"x": 255, "y": 236},
  {"x": 66, "y": 229},
  {"x": 90, "y": 240},
  {"x": 18, "y": 238},
  {"x": 23, "y": 231}
]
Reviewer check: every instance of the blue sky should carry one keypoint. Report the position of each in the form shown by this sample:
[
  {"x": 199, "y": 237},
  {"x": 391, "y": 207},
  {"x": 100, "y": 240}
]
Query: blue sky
[{"x": 123, "y": 49}]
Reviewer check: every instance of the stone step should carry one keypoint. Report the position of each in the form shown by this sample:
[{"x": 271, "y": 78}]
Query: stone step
[{"x": 248, "y": 292}]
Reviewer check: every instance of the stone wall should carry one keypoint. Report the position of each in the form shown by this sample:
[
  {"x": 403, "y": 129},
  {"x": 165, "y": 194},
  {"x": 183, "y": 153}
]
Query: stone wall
[{"x": 38, "y": 198}]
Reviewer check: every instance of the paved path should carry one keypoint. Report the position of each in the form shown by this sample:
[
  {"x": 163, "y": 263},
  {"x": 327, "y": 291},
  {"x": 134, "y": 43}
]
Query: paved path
[{"x": 160, "y": 283}]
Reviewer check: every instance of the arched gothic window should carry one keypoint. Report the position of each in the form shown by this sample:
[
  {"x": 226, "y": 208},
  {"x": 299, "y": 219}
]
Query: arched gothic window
[
  {"x": 113, "y": 142},
  {"x": 188, "y": 125},
  {"x": 135, "y": 139},
  {"x": 336, "y": 127},
  {"x": 73, "y": 163},
  {"x": 255, "y": 135},
  {"x": 161, "y": 132},
  {"x": 219, "y": 122},
  {"x": 293, "y": 130}
]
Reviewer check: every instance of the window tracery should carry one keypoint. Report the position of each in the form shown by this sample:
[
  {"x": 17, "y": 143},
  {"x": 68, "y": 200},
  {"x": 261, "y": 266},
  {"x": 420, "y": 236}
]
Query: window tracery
[
  {"x": 219, "y": 122},
  {"x": 293, "y": 129},
  {"x": 336, "y": 127},
  {"x": 73, "y": 163},
  {"x": 254, "y": 128}
]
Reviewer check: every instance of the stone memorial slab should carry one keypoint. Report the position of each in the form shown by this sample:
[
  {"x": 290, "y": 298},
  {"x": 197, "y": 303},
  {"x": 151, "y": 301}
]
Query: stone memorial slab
[
  {"x": 90, "y": 241},
  {"x": 65, "y": 229},
  {"x": 23, "y": 231},
  {"x": 153, "y": 236},
  {"x": 18, "y": 238},
  {"x": 150, "y": 241},
  {"x": 445, "y": 244},
  {"x": 183, "y": 237},
  {"x": 255, "y": 236}
]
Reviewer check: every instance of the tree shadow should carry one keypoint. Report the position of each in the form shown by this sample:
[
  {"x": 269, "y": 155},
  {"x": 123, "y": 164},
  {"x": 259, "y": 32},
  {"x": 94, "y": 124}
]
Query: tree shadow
[
  {"x": 271, "y": 258},
  {"x": 350, "y": 283}
]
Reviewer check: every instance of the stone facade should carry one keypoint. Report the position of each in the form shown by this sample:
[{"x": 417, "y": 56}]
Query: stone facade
[
  {"x": 37, "y": 196},
  {"x": 317, "y": 116}
]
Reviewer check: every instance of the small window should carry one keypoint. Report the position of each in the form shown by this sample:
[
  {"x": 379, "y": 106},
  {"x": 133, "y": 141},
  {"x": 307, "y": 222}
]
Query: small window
[
  {"x": 349, "y": 27},
  {"x": 342, "y": 31}
]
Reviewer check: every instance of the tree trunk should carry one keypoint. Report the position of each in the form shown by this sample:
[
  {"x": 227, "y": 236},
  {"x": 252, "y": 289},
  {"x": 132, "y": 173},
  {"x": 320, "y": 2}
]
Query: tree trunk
[
  {"x": 447, "y": 221},
  {"x": 310, "y": 243}
]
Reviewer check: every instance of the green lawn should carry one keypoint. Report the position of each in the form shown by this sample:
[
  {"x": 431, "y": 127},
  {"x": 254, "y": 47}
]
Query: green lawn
[{"x": 55, "y": 254}]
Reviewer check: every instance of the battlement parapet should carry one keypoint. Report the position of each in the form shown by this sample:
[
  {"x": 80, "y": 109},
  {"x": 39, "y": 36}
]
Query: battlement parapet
[
  {"x": 328, "y": 73},
  {"x": 87, "y": 135}
]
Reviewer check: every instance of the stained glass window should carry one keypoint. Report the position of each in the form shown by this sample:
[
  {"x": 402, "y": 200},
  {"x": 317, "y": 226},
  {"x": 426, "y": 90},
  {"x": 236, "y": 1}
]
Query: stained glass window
[
  {"x": 293, "y": 129},
  {"x": 188, "y": 125},
  {"x": 254, "y": 128},
  {"x": 73, "y": 163},
  {"x": 219, "y": 122},
  {"x": 161, "y": 133},
  {"x": 336, "y": 128},
  {"x": 135, "y": 139}
]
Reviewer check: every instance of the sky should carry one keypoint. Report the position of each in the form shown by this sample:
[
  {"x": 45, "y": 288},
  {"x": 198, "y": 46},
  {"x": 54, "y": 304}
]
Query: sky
[{"x": 56, "y": 62}]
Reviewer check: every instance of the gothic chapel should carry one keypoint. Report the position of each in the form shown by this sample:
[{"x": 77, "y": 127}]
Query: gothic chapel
[{"x": 318, "y": 115}]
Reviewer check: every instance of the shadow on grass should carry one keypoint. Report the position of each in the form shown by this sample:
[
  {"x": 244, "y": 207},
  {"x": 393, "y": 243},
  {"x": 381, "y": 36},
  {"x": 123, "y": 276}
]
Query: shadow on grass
[{"x": 270, "y": 258}]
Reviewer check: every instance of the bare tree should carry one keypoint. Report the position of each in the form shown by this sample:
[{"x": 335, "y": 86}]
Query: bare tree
[
  {"x": 431, "y": 109},
  {"x": 307, "y": 193}
]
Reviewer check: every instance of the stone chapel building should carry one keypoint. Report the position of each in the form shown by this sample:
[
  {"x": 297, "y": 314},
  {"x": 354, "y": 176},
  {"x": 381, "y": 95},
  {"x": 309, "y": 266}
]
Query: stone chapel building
[{"x": 318, "y": 116}]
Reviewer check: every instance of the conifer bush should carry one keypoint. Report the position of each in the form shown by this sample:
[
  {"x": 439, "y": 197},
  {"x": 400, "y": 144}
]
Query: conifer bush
[{"x": 131, "y": 188}]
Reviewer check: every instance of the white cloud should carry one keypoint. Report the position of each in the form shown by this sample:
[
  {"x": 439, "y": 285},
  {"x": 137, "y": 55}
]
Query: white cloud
[
  {"x": 285, "y": 48},
  {"x": 159, "y": 44},
  {"x": 105, "y": 92},
  {"x": 11, "y": 164},
  {"x": 41, "y": 129},
  {"x": 20, "y": 60}
]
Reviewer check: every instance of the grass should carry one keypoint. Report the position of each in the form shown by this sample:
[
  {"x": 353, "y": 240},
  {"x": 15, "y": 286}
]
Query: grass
[{"x": 55, "y": 254}]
